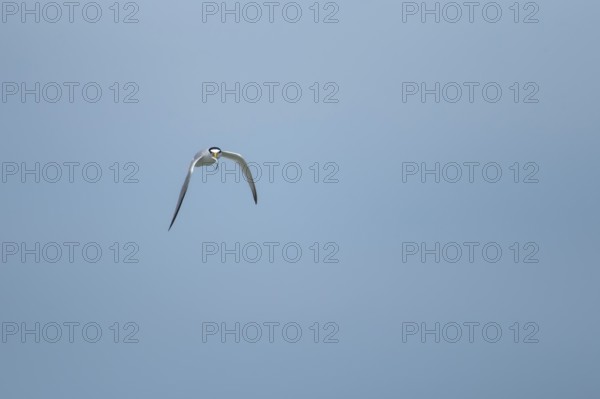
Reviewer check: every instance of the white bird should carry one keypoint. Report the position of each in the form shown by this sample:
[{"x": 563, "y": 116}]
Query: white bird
[{"x": 209, "y": 157}]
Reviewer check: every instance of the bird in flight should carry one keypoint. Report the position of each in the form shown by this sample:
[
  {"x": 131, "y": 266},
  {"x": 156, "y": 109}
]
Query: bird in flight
[{"x": 210, "y": 157}]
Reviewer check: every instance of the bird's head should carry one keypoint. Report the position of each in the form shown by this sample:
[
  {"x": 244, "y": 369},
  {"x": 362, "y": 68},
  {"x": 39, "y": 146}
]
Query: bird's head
[{"x": 215, "y": 152}]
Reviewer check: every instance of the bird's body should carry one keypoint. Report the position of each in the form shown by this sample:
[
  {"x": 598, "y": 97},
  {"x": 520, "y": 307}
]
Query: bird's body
[
  {"x": 208, "y": 157},
  {"x": 203, "y": 157}
]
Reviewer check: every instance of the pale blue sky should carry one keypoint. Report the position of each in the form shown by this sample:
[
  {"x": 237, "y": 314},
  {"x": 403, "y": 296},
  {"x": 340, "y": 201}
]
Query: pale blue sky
[{"x": 367, "y": 215}]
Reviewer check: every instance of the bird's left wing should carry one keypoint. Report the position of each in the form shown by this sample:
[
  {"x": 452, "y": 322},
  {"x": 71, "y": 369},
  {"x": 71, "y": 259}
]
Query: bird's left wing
[{"x": 245, "y": 169}]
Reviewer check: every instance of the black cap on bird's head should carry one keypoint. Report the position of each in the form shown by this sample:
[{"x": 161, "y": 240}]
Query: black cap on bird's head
[{"x": 215, "y": 152}]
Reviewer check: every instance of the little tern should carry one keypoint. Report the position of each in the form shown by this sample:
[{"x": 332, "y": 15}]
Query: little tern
[{"x": 209, "y": 157}]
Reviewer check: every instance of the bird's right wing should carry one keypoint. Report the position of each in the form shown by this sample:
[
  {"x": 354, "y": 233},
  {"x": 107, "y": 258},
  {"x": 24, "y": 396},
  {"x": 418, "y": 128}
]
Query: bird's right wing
[{"x": 185, "y": 187}]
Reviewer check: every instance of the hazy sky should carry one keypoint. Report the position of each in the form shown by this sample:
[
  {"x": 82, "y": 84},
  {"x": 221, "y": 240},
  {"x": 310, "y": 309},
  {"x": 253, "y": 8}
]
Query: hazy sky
[{"x": 427, "y": 199}]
